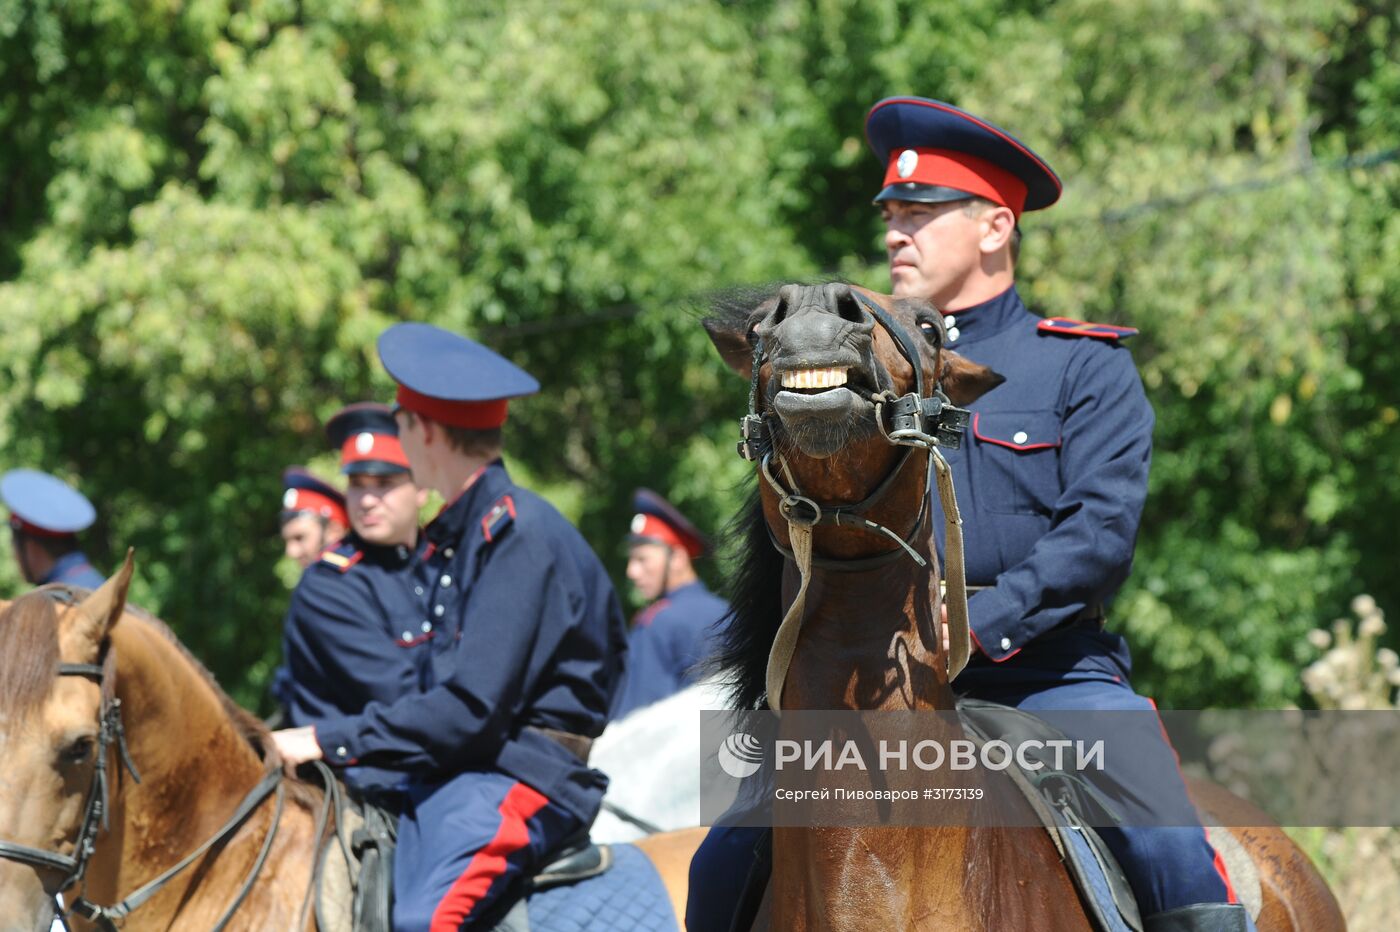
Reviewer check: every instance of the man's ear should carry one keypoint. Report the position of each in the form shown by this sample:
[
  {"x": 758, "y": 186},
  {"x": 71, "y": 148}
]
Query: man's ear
[
  {"x": 963, "y": 380},
  {"x": 999, "y": 223},
  {"x": 731, "y": 338}
]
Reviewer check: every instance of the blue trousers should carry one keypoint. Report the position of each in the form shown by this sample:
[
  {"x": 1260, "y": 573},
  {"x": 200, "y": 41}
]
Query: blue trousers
[
  {"x": 465, "y": 843},
  {"x": 1168, "y": 867}
]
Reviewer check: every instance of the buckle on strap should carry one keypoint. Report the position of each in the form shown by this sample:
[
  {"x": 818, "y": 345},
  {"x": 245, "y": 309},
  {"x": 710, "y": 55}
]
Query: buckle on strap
[
  {"x": 756, "y": 443},
  {"x": 920, "y": 418}
]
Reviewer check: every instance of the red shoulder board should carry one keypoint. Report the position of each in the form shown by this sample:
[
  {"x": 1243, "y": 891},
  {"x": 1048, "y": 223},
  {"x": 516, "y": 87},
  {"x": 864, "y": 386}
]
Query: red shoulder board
[
  {"x": 1078, "y": 328},
  {"x": 498, "y": 518},
  {"x": 342, "y": 561},
  {"x": 647, "y": 615}
]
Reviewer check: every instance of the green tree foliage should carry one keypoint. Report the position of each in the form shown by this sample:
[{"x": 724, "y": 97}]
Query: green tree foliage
[{"x": 210, "y": 209}]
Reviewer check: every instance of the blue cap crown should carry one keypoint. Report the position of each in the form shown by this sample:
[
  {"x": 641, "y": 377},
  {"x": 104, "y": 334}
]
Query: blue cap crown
[{"x": 45, "y": 503}]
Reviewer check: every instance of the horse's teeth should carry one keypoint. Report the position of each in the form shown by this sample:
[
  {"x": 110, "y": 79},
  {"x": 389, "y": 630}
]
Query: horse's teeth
[{"x": 814, "y": 378}]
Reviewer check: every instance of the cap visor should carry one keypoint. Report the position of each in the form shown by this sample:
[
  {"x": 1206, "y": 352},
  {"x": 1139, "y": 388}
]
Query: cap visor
[
  {"x": 373, "y": 468},
  {"x": 921, "y": 193}
]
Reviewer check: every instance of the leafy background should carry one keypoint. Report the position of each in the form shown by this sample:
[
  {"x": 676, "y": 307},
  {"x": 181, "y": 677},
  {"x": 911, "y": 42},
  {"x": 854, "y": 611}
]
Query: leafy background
[{"x": 209, "y": 209}]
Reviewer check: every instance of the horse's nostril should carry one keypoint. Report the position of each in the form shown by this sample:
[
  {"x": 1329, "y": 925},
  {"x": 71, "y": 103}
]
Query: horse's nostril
[{"x": 850, "y": 310}]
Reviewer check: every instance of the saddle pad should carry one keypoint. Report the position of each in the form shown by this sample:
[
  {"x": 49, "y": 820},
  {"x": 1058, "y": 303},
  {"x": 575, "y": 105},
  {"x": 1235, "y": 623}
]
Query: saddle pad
[
  {"x": 1093, "y": 882},
  {"x": 629, "y": 897}
]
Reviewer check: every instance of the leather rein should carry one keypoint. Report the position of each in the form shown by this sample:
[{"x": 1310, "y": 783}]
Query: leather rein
[
  {"x": 915, "y": 421},
  {"x": 111, "y": 734}
]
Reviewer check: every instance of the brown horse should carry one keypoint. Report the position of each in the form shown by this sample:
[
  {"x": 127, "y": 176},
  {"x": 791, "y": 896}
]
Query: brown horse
[
  {"x": 836, "y": 350},
  {"x": 84, "y": 684}
]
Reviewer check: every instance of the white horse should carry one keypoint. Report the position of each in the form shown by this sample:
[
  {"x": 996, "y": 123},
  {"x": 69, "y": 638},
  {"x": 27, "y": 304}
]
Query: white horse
[{"x": 652, "y": 757}]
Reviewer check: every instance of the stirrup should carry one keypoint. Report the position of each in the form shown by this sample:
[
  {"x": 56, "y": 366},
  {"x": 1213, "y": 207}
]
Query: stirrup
[{"x": 1201, "y": 917}]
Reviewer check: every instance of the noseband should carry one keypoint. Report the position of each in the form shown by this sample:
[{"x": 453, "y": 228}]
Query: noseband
[
  {"x": 111, "y": 734},
  {"x": 912, "y": 421}
]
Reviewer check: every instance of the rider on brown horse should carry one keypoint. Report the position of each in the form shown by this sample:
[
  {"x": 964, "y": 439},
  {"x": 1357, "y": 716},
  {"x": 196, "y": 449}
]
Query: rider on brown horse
[{"x": 1051, "y": 485}]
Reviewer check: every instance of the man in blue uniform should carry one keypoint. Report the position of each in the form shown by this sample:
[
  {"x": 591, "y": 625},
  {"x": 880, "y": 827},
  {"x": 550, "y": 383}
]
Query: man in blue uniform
[
  {"x": 1051, "y": 484},
  {"x": 528, "y": 645},
  {"x": 312, "y": 517},
  {"x": 673, "y": 634},
  {"x": 357, "y": 630},
  {"x": 46, "y": 515}
]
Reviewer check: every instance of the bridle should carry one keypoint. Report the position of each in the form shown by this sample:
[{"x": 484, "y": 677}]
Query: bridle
[
  {"x": 915, "y": 421},
  {"x": 111, "y": 734}
]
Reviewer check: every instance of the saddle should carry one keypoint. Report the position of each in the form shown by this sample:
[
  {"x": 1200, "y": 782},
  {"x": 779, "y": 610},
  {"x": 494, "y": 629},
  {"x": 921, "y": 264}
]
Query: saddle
[
  {"x": 1067, "y": 806},
  {"x": 356, "y": 868}
]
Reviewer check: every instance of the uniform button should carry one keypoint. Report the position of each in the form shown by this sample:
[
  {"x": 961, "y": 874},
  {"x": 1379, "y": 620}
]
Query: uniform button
[
  {"x": 447, "y": 552},
  {"x": 1020, "y": 437},
  {"x": 1006, "y": 643},
  {"x": 949, "y": 320},
  {"x": 407, "y": 635},
  {"x": 952, "y": 334},
  {"x": 445, "y": 581},
  {"x": 426, "y": 626},
  {"x": 438, "y": 610},
  {"x": 341, "y": 751},
  {"x": 417, "y": 590}
]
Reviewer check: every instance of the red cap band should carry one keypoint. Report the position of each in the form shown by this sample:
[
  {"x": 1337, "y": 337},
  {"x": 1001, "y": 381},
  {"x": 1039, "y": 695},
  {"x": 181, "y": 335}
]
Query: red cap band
[
  {"x": 958, "y": 170},
  {"x": 653, "y": 528},
  {"x": 33, "y": 530},
  {"x": 367, "y": 445},
  {"x": 472, "y": 415},
  {"x": 316, "y": 503}
]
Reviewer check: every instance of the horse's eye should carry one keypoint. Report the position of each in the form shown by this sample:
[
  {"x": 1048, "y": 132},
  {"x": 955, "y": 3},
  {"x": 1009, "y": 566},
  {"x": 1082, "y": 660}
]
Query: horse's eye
[
  {"x": 930, "y": 331},
  {"x": 78, "y": 750},
  {"x": 752, "y": 335}
]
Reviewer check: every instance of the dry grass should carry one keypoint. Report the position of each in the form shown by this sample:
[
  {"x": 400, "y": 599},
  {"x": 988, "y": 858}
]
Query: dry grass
[{"x": 1361, "y": 864}]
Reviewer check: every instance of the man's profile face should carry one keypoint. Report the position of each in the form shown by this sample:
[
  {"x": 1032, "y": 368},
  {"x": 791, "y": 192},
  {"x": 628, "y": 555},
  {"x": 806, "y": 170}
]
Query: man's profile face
[
  {"x": 303, "y": 539},
  {"x": 932, "y": 248},
  {"x": 384, "y": 508},
  {"x": 646, "y": 569}
]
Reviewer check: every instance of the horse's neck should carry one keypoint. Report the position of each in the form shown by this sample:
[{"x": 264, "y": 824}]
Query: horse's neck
[
  {"x": 194, "y": 762},
  {"x": 867, "y": 643},
  {"x": 868, "y": 640}
]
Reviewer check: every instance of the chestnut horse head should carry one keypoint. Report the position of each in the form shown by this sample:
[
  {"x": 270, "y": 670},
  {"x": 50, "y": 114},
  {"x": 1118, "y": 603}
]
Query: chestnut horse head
[
  {"x": 122, "y": 758},
  {"x": 54, "y": 733},
  {"x": 850, "y": 391}
]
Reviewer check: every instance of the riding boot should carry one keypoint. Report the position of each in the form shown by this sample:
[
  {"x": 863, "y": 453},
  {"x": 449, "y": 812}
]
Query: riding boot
[{"x": 1201, "y": 917}]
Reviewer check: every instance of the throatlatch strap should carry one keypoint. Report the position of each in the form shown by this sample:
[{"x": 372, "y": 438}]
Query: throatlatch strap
[{"x": 955, "y": 573}]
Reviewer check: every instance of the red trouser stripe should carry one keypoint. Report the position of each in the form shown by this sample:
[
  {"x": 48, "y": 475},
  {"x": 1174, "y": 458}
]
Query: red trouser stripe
[
  {"x": 489, "y": 863},
  {"x": 1219, "y": 862}
]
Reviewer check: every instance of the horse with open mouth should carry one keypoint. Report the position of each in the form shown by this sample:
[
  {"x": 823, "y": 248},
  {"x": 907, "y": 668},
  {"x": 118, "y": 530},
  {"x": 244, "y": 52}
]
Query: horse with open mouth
[{"x": 837, "y": 605}]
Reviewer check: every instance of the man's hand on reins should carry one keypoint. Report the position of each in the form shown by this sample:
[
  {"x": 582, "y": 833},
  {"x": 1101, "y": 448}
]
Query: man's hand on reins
[{"x": 298, "y": 745}]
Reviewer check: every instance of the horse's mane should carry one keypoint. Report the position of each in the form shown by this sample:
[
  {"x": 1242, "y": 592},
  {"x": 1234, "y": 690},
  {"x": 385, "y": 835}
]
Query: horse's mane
[
  {"x": 28, "y": 629},
  {"x": 755, "y": 593}
]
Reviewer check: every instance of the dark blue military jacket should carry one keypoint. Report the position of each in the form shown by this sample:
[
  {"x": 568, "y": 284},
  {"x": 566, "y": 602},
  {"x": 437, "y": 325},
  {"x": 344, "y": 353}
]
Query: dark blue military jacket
[
  {"x": 1050, "y": 481},
  {"x": 75, "y": 570},
  {"x": 527, "y": 631},
  {"x": 669, "y": 638},
  {"x": 356, "y": 633}
]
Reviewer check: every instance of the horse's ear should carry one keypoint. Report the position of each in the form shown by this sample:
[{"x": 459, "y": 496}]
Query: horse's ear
[
  {"x": 99, "y": 611},
  {"x": 964, "y": 381},
  {"x": 732, "y": 340}
]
